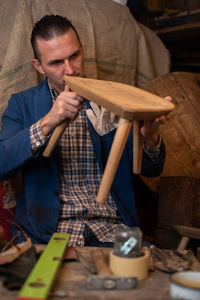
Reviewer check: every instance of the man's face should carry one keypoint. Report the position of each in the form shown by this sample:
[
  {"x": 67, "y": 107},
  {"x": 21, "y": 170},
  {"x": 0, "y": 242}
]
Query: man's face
[{"x": 60, "y": 56}]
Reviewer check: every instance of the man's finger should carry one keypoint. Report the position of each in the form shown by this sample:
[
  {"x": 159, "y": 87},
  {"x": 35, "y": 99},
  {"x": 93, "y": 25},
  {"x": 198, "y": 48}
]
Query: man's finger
[
  {"x": 80, "y": 98},
  {"x": 168, "y": 98},
  {"x": 66, "y": 88}
]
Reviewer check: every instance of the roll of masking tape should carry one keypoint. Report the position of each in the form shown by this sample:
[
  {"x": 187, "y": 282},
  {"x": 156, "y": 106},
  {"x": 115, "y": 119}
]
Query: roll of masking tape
[{"x": 131, "y": 267}]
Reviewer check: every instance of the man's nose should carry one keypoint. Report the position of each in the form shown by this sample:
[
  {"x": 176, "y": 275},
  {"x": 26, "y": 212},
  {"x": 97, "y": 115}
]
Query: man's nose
[{"x": 68, "y": 68}]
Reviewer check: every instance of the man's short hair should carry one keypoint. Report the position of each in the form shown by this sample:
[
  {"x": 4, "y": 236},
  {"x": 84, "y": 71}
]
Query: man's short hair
[{"x": 47, "y": 28}]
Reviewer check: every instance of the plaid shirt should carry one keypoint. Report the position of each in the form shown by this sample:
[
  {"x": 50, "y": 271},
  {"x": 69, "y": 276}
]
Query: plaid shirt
[{"x": 80, "y": 178}]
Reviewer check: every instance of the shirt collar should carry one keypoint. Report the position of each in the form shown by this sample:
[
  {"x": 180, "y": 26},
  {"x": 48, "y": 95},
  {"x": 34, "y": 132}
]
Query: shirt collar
[{"x": 53, "y": 92}]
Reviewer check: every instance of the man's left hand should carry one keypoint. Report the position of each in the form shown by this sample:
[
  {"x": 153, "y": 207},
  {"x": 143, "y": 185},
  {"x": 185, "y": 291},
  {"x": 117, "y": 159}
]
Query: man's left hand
[{"x": 149, "y": 130}]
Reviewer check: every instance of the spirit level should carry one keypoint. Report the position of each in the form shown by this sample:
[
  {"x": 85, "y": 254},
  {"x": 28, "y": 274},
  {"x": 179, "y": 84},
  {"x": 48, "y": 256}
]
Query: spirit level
[{"x": 40, "y": 280}]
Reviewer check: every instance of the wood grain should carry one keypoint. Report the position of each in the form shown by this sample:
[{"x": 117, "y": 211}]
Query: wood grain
[
  {"x": 116, "y": 151},
  {"x": 124, "y": 100}
]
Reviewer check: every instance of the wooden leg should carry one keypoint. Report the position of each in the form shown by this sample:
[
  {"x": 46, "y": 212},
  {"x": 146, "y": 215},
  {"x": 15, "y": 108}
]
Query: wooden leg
[
  {"x": 117, "y": 148},
  {"x": 137, "y": 147},
  {"x": 183, "y": 243},
  {"x": 58, "y": 131}
]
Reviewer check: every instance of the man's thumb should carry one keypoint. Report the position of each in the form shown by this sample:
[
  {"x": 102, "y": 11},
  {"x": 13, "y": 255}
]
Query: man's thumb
[{"x": 66, "y": 88}]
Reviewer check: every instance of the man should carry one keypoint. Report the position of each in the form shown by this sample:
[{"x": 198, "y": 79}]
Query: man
[{"x": 59, "y": 192}]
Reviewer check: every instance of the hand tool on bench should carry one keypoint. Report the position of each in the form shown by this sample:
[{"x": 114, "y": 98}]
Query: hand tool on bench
[
  {"x": 131, "y": 104},
  {"x": 104, "y": 280}
]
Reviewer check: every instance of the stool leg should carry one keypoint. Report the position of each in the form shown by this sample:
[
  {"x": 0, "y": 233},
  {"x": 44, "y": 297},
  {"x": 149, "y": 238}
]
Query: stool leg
[
  {"x": 137, "y": 147},
  {"x": 117, "y": 148},
  {"x": 183, "y": 243},
  {"x": 58, "y": 131}
]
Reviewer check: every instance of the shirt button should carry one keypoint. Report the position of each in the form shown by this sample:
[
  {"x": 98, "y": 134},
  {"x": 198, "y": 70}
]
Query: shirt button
[
  {"x": 48, "y": 233},
  {"x": 56, "y": 192},
  {"x": 38, "y": 144}
]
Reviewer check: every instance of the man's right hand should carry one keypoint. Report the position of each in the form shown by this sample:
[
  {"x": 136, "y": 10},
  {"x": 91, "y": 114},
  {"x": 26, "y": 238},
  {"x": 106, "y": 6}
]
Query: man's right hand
[{"x": 67, "y": 106}]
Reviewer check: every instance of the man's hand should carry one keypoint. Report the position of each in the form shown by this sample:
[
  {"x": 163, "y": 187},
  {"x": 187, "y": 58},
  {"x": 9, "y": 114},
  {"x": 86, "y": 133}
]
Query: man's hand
[
  {"x": 149, "y": 130},
  {"x": 67, "y": 106},
  {"x": 102, "y": 120}
]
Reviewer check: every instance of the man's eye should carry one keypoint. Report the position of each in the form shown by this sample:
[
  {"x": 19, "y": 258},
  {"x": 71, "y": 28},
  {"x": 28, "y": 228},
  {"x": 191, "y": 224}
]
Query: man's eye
[
  {"x": 57, "y": 62},
  {"x": 75, "y": 54}
]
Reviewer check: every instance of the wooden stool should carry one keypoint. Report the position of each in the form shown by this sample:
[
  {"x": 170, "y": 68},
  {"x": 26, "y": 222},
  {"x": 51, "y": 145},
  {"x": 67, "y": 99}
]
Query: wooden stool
[
  {"x": 187, "y": 233},
  {"x": 131, "y": 104}
]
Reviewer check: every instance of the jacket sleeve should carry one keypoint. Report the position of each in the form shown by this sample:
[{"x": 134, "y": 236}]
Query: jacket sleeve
[{"x": 15, "y": 148}]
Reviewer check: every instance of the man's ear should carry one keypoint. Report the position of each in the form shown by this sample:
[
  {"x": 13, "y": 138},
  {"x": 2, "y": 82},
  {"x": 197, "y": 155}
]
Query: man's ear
[{"x": 37, "y": 65}]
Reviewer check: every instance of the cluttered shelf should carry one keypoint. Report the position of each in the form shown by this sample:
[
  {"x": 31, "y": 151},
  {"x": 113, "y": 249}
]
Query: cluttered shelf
[
  {"x": 184, "y": 45},
  {"x": 177, "y": 24}
]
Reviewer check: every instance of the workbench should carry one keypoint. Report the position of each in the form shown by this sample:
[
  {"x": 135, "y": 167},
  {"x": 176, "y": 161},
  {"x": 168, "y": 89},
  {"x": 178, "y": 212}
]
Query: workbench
[{"x": 70, "y": 282}]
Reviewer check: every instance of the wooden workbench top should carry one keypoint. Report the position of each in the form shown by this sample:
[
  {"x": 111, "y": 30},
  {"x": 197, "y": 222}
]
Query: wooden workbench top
[{"x": 70, "y": 282}]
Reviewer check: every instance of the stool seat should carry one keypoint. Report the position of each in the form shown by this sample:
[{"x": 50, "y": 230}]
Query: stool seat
[{"x": 124, "y": 100}]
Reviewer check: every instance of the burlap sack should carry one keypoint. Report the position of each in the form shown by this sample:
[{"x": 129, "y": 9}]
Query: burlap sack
[{"x": 116, "y": 47}]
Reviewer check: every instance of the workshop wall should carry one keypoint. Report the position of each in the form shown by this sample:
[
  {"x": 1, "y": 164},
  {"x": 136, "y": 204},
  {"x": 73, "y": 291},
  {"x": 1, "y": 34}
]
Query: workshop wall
[{"x": 116, "y": 46}]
